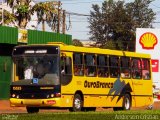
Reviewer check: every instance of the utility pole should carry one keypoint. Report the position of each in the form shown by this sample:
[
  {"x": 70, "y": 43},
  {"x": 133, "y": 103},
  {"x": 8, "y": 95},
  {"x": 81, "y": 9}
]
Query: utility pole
[
  {"x": 59, "y": 12},
  {"x": 43, "y": 25},
  {"x": 64, "y": 22},
  {"x": 2, "y": 14}
]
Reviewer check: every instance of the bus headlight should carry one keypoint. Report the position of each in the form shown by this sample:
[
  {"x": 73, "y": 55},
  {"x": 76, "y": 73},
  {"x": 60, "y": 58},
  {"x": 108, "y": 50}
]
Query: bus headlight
[
  {"x": 52, "y": 95},
  {"x": 13, "y": 95}
]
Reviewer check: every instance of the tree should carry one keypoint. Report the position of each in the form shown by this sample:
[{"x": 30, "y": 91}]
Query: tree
[
  {"x": 140, "y": 14},
  {"x": 109, "y": 45},
  {"x": 22, "y": 10},
  {"x": 46, "y": 12},
  {"x": 77, "y": 42},
  {"x": 117, "y": 22},
  {"x": 8, "y": 17}
]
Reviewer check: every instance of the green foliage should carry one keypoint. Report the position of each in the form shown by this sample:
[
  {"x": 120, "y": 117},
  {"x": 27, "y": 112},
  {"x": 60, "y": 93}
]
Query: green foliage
[
  {"x": 8, "y": 17},
  {"x": 76, "y": 42},
  {"x": 110, "y": 45},
  {"x": 46, "y": 11},
  {"x": 117, "y": 21},
  {"x": 22, "y": 11}
]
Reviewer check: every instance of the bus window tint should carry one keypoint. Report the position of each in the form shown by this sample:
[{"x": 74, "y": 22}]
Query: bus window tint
[
  {"x": 146, "y": 69},
  {"x": 125, "y": 67},
  {"x": 78, "y": 64},
  {"x": 114, "y": 66},
  {"x": 66, "y": 66},
  {"x": 90, "y": 65},
  {"x": 136, "y": 68},
  {"x": 102, "y": 66}
]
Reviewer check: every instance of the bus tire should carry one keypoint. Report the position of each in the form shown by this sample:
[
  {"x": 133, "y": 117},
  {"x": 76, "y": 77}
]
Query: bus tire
[
  {"x": 32, "y": 109},
  {"x": 126, "y": 102},
  {"x": 77, "y": 103},
  {"x": 126, "y": 105}
]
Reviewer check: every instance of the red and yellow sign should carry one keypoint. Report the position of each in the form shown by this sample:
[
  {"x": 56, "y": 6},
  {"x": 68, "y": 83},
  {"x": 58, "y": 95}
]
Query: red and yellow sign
[
  {"x": 148, "y": 40},
  {"x": 155, "y": 65}
]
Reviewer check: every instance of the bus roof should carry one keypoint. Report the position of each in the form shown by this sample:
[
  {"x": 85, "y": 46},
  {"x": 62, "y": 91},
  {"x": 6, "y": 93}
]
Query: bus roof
[{"x": 72, "y": 48}]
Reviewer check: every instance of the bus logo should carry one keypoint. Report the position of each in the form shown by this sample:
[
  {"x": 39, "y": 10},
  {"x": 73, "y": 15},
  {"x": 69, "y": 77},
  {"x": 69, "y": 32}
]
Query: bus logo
[
  {"x": 35, "y": 80},
  {"x": 148, "y": 40}
]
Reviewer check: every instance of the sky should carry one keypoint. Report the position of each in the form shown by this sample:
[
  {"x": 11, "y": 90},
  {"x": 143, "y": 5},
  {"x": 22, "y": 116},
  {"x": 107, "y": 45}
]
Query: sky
[
  {"x": 79, "y": 28},
  {"x": 79, "y": 24}
]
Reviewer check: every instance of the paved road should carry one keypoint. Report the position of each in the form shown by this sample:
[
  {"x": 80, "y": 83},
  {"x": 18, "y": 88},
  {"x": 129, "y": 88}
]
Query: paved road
[{"x": 5, "y": 108}]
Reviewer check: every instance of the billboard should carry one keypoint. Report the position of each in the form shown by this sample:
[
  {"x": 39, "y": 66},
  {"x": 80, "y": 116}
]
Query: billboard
[{"x": 148, "y": 41}]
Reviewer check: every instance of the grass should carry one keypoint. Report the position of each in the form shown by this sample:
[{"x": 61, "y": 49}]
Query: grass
[{"x": 119, "y": 115}]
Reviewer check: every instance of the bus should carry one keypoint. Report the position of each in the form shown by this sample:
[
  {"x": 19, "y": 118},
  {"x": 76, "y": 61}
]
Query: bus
[{"x": 56, "y": 75}]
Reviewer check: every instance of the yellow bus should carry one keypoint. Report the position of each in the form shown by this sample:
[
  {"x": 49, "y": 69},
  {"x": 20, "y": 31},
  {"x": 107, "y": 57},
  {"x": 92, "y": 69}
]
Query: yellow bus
[{"x": 79, "y": 78}]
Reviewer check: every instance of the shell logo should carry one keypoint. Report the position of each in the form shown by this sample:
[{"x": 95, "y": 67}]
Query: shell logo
[{"x": 148, "y": 40}]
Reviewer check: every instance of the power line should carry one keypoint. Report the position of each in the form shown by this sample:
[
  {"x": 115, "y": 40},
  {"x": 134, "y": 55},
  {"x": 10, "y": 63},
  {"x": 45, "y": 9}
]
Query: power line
[
  {"x": 77, "y": 21},
  {"x": 155, "y": 5},
  {"x": 77, "y": 31},
  {"x": 155, "y": 22},
  {"x": 83, "y": 2},
  {"x": 77, "y": 14}
]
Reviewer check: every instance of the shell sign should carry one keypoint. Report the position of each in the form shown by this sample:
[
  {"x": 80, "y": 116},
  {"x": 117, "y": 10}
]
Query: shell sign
[{"x": 148, "y": 40}]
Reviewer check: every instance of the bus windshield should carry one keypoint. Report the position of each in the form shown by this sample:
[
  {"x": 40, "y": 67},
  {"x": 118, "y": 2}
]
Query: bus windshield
[{"x": 45, "y": 68}]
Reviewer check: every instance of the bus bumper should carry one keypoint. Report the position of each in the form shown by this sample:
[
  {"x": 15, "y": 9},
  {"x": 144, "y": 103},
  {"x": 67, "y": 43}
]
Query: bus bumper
[{"x": 53, "y": 102}]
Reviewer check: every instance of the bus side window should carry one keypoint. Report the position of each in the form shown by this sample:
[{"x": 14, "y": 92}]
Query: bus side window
[
  {"x": 146, "y": 69},
  {"x": 136, "y": 68},
  {"x": 66, "y": 70},
  {"x": 102, "y": 65},
  {"x": 125, "y": 67},
  {"x": 90, "y": 65},
  {"x": 66, "y": 66},
  {"x": 114, "y": 66},
  {"x": 78, "y": 64}
]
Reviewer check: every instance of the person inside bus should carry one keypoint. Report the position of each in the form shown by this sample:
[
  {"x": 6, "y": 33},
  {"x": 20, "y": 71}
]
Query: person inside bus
[
  {"x": 29, "y": 69},
  {"x": 88, "y": 72},
  {"x": 125, "y": 73},
  {"x": 145, "y": 74},
  {"x": 137, "y": 75},
  {"x": 91, "y": 71},
  {"x": 81, "y": 71},
  {"x": 102, "y": 72},
  {"x": 28, "y": 72},
  {"x": 76, "y": 71},
  {"x": 40, "y": 71}
]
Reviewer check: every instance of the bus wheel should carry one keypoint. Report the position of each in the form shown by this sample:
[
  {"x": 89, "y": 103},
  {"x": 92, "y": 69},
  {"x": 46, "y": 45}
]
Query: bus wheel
[
  {"x": 77, "y": 103},
  {"x": 126, "y": 102},
  {"x": 126, "y": 105},
  {"x": 32, "y": 109}
]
